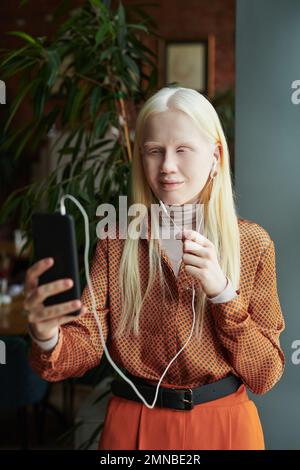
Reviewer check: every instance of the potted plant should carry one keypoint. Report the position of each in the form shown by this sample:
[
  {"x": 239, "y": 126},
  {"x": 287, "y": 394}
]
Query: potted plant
[
  {"x": 84, "y": 86},
  {"x": 87, "y": 81}
]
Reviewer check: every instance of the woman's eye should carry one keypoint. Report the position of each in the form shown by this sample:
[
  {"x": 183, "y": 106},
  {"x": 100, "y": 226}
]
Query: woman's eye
[{"x": 181, "y": 150}]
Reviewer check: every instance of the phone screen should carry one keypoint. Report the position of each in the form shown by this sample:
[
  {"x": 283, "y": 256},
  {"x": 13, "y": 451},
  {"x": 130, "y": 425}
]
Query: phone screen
[{"x": 54, "y": 236}]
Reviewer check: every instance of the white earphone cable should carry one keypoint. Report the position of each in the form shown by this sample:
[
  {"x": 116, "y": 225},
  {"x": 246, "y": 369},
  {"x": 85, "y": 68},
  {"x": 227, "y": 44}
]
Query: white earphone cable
[{"x": 87, "y": 273}]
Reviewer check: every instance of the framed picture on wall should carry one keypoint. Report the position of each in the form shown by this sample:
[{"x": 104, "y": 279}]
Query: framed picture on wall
[{"x": 188, "y": 63}]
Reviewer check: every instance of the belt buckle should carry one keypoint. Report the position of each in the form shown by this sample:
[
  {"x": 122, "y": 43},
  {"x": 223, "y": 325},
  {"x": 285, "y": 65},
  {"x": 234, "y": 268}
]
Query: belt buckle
[{"x": 188, "y": 401}]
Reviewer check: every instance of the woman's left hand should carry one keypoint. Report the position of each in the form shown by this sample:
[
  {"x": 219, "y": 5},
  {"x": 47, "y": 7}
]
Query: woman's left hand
[{"x": 200, "y": 259}]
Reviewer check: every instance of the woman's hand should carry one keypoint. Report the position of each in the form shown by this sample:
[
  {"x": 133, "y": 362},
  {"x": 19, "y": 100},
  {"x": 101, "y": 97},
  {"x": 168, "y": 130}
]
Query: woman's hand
[
  {"x": 45, "y": 321},
  {"x": 200, "y": 259}
]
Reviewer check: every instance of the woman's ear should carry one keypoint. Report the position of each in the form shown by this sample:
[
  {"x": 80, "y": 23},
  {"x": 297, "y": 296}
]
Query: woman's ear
[{"x": 217, "y": 152}]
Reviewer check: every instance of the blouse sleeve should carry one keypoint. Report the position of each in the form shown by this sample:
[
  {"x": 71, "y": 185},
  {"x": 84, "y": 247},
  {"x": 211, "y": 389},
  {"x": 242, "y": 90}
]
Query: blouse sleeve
[
  {"x": 250, "y": 333},
  {"x": 79, "y": 346},
  {"x": 227, "y": 294}
]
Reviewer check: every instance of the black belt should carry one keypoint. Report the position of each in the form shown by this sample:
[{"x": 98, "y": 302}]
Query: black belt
[{"x": 179, "y": 399}]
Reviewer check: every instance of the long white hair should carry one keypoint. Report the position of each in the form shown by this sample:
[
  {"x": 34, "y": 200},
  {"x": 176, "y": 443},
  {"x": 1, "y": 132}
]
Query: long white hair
[{"x": 220, "y": 217}]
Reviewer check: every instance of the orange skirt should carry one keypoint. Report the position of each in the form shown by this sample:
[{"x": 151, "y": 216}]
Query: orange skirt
[{"x": 231, "y": 422}]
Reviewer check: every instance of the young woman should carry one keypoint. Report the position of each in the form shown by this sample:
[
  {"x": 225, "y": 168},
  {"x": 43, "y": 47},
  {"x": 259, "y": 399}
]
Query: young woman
[{"x": 145, "y": 297}]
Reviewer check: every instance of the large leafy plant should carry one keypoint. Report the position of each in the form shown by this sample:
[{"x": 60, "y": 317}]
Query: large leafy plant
[{"x": 80, "y": 84}]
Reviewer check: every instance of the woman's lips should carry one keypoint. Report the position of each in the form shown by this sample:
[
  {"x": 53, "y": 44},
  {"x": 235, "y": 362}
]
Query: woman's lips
[{"x": 170, "y": 185}]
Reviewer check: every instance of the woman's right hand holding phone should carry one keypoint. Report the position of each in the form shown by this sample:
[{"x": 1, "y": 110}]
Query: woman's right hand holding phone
[{"x": 44, "y": 320}]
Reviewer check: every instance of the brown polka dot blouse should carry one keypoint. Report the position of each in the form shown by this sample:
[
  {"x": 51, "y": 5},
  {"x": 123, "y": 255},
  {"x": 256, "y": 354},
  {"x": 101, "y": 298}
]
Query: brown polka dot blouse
[{"x": 240, "y": 336}]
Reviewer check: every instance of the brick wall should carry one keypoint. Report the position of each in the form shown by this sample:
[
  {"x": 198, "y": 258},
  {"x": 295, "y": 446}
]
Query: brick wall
[
  {"x": 192, "y": 19},
  {"x": 176, "y": 19}
]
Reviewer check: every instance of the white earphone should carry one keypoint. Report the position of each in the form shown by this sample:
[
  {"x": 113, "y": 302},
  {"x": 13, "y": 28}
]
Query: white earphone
[
  {"x": 213, "y": 168},
  {"x": 193, "y": 300},
  {"x": 94, "y": 308}
]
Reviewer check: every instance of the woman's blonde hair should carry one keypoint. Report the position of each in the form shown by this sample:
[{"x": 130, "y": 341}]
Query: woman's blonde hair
[{"x": 220, "y": 218}]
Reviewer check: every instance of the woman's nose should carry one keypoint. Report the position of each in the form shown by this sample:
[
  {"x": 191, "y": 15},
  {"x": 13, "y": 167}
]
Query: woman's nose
[{"x": 168, "y": 162}]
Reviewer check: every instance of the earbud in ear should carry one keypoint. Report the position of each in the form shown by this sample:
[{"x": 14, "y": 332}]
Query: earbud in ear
[{"x": 213, "y": 168}]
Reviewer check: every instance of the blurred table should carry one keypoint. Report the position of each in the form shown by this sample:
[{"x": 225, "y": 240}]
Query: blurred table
[{"x": 13, "y": 320}]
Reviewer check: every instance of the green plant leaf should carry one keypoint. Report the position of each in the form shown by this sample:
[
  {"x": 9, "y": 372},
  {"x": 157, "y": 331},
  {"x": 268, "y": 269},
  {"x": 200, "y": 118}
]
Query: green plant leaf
[
  {"x": 138, "y": 26},
  {"x": 107, "y": 59},
  {"x": 132, "y": 66},
  {"x": 54, "y": 63},
  {"x": 26, "y": 37},
  {"x": 18, "y": 100},
  {"x": 101, "y": 124},
  {"x": 102, "y": 32},
  {"x": 12, "y": 55},
  {"x": 95, "y": 100}
]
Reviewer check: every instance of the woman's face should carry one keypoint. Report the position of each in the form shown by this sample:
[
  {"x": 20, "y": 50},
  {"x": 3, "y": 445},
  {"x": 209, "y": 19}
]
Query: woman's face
[{"x": 174, "y": 150}]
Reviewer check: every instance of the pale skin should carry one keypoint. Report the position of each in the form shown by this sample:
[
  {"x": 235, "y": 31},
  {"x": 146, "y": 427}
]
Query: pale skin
[
  {"x": 200, "y": 259},
  {"x": 45, "y": 321},
  {"x": 166, "y": 153},
  {"x": 174, "y": 148}
]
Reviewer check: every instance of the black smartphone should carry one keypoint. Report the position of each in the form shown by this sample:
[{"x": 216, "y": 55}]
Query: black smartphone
[{"x": 54, "y": 236}]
